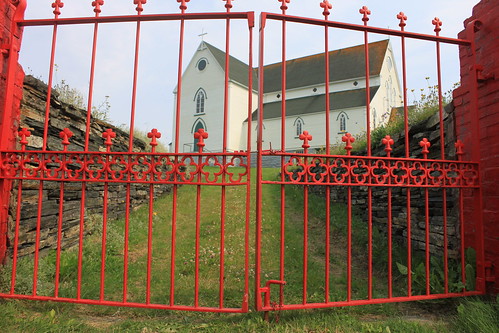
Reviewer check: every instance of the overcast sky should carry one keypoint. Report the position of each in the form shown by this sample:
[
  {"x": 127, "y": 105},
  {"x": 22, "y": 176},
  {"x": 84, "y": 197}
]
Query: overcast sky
[{"x": 159, "y": 45}]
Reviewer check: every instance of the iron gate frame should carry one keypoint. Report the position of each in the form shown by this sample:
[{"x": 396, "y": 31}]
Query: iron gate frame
[
  {"x": 327, "y": 160},
  {"x": 260, "y": 290}
]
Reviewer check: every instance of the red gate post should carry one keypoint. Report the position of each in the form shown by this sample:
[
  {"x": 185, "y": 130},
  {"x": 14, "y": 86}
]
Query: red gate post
[
  {"x": 11, "y": 82},
  {"x": 477, "y": 120}
]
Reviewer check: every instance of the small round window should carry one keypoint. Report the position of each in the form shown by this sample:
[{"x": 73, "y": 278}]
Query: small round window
[{"x": 202, "y": 64}]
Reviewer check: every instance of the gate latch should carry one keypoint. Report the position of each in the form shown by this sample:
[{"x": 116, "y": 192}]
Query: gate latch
[{"x": 266, "y": 290}]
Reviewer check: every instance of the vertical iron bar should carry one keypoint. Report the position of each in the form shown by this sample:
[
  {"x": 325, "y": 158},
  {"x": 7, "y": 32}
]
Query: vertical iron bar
[
  {"x": 16, "y": 232},
  {"x": 248, "y": 169},
  {"x": 258, "y": 222},
  {"x": 328, "y": 152},
  {"x": 368, "y": 139},
  {"x": 283, "y": 148},
  {"x": 104, "y": 234},
  {"x": 87, "y": 139},
  {"x": 59, "y": 228},
  {"x": 149, "y": 235},
  {"x": 126, "y": 239},
  {"x": 442, "y": 156},
  {"x": 130, "y": 150},
  {"x": 349, "y": 235},
  {"x": 223, "y": 194},
  {"x": 407, "y": 154},
  {"x": 390, "y": 262},
  {"x": 175, "y": 185}
]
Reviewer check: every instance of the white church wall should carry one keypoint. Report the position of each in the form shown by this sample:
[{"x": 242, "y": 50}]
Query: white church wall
[
  {"x": 320, "y": 89},
  {"x": 211, "y": 80},
  {"x": 238, "y": 106},
  {"x": 390, "y": 89},
  {"x": 315, "y": 125}
]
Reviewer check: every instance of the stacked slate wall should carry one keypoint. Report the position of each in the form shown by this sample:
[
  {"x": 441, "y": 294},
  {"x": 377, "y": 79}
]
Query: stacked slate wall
[
  {"x": 429, "y": 129},
  {"x": 62, "y": 116}
]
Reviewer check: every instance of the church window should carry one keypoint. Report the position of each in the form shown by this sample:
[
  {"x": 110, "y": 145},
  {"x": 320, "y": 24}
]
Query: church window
[
  {"x": 298, "y": 127},
  {"x": 342, "y": 119},
  {"x": 389, "y": 63},
  {"x": 201, "y": 65},
  {"x": 200, "y": 99}
]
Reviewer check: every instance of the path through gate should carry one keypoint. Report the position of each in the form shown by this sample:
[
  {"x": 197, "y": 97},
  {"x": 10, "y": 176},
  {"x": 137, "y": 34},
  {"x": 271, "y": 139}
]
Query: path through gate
[{"x": 180, "y": 271}]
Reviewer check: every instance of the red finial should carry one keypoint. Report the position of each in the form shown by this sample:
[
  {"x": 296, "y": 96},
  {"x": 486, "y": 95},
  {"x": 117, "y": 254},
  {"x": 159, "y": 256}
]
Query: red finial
[
  {"x": 228, "y": 4},
  {"x": 108, "y": 135},
  {"x": 57, "y": 5},
  {"x": 306, "y": 138},
  {"x": 402, "y": 17},
  {"x": 365, "y": 11},
  {"x": 284, "y": 5},
  {"x": 97, "y": 4},
  {"x": 327, "y": 6},
  {"x": 437, "y": 23},
  {"x": 388, "y": 142},
  {"x": 349, "y": 139},
  {"x": 24, "y": 133},
  {"x": 139, "y": 4},
  {"x": 201, "y": 135},
  {"x": 459, "y": 148},
  {"x": 153, "y": 135},
  {"x": 425, "y": 144},
  {"x": 183, "y": 4},
  {"x": 65, "y": 135}
]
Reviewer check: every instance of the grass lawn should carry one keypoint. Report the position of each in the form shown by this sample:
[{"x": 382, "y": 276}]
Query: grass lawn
[{"x": 31, "y": 316}]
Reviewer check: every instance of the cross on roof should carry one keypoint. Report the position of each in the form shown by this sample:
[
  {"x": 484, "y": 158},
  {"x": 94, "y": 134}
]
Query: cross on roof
[{"x": 202, "y": 34}]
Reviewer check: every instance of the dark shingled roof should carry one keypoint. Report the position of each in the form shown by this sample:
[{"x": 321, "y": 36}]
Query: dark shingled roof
[
  {"x": 345, "y": 64},
  {"x": 238, "y": 70},
  {"x": 311, "y": 104}
]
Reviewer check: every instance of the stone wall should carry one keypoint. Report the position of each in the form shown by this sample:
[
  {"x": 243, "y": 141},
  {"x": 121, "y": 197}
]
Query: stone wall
[
  {"x": 33, "y": 192},
  {"x": 429, "y": 129}
]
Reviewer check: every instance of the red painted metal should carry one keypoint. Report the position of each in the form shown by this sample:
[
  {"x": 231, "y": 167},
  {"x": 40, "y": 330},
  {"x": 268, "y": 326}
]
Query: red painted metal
[
  {"x": 99, "y": 167},
  {"x": 326, "y": 12},
  {"x": 348, "y": 172}
]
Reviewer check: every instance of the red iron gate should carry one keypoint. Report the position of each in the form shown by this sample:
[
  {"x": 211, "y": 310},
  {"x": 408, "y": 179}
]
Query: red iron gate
[
  {"x": 201, "y": 169},
  {"x": 372, "y": 178}
]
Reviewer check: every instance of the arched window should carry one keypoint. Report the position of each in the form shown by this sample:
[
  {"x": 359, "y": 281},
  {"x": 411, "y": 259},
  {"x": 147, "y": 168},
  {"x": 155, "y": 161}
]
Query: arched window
[
  {"x": 298, "y": 127},
  {"x": 200, "y": 98},
  {"x": 342, "y": 119}
]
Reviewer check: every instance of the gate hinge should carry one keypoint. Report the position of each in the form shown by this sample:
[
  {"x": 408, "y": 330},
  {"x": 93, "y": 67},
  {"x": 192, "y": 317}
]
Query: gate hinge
[
  {"x": 480, "y": 75},
  {"x": 266, "y": 291},
  {"x": 489, "y": 272}
]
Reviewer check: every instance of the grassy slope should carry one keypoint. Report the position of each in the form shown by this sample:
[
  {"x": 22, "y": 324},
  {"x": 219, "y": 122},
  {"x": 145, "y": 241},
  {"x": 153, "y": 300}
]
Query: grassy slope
[{"x": 57, "y": 317}]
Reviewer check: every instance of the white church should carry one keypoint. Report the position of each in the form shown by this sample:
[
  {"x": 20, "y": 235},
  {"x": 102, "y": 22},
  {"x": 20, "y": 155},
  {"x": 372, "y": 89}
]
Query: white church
[{"x": 202, "y": 101}]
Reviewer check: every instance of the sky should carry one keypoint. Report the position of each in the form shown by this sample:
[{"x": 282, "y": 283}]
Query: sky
[{"x": 158, "y": 62}]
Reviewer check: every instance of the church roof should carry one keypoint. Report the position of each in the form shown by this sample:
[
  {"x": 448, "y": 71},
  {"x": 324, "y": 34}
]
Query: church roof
[
  {"x": 312, "y": 104},
  {"x": 238, "y": 70},
  {"x": 347, "y": 63},
  {"x": 344, "y": 64}
]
